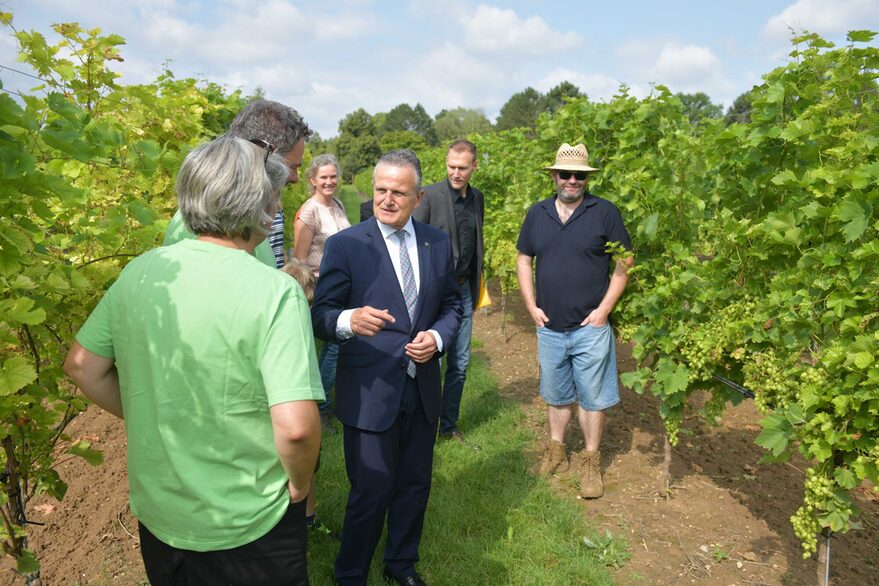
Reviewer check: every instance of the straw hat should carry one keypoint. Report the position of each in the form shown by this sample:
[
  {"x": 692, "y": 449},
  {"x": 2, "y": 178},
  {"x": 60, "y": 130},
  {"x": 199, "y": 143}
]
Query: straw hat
[{"x": 571, "y": 158}]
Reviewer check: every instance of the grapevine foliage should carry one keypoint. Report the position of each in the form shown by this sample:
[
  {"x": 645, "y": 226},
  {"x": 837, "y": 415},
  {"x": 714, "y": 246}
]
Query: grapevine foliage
[
  {"x": 756, "y": 250},
  {"x": 756, "y": 245},
  {"x": 87, "y": 172}
]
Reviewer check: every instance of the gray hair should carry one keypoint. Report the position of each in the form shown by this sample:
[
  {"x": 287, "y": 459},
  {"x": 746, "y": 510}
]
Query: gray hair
[
  {"x": 272, "y": 121},
  {"x": 318, "y": 162},
  {"x": 224, "y": 189},
  {"x": 277, "y": 171},
  {"x": 402, "y": 158}
]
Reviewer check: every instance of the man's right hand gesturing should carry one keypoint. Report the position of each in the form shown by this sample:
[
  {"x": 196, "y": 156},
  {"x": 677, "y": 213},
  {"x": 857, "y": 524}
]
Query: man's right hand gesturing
[{"x": 368, "y": 321}]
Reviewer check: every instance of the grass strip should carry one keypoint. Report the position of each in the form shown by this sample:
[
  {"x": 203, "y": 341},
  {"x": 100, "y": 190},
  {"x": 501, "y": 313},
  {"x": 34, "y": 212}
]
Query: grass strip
[{"x": 488, "y": 522}]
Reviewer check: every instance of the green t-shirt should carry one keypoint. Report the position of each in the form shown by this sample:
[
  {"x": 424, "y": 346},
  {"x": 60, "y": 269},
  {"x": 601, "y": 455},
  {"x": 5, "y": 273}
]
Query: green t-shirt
[
  {"x": 177, "y": 231},
  {"x": 206, "y": 339}
]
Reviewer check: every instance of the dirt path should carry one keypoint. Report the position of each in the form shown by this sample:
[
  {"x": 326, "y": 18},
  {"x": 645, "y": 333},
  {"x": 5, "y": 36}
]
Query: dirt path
[
  {"x": 726, "y": 523},
  {"x": 727, "y": 519}
]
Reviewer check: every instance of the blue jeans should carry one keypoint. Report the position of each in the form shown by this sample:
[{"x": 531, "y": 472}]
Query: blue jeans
[
  {"x": 457, "y": 359},
  {"x": 326, "y": 363}
]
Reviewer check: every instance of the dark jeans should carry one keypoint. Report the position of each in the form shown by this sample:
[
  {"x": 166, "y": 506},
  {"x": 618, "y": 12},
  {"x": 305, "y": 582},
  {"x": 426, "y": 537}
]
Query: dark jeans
[
  {"x": 276, "y": 558},
  {"x": 457, "y": 359}
]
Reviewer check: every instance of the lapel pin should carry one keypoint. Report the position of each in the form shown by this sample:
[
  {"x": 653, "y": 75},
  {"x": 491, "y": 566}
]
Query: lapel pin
[{"x": 426, "y": 243}]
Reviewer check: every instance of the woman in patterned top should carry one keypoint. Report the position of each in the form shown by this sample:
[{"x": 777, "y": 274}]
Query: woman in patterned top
[{"x": 322, "y": 215}]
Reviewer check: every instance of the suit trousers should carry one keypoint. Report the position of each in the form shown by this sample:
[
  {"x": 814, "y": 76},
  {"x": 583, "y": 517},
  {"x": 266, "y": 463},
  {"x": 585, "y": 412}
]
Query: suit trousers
[{"x": 390, "y": 475}]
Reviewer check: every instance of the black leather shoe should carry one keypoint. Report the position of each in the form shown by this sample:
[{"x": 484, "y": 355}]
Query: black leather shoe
[
  {"x": 413, "y": 580},
  {"x": 457, "y": 436}
]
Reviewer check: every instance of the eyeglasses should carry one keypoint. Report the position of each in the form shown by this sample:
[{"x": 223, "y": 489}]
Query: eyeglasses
[
  {"x": 578, "y": 175},
  {"x": 263, "y": 144}
]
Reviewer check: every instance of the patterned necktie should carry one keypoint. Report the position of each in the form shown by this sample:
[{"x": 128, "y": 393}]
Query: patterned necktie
[{"x": 410, "y": 294}]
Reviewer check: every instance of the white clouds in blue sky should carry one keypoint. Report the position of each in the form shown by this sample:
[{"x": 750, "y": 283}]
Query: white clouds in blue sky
[{"x": 330, "y": 57}]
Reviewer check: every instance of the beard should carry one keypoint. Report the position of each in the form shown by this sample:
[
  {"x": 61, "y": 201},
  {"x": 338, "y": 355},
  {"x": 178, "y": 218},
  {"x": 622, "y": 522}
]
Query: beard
[{"x": 566, "y": 197}]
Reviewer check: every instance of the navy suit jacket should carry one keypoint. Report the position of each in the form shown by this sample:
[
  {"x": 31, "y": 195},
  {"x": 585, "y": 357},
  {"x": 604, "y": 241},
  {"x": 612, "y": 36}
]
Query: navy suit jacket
[{"x": 356, "y": 270}]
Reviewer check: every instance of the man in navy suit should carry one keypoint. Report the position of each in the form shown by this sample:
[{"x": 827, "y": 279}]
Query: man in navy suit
[{"x": 387, "y": 293}]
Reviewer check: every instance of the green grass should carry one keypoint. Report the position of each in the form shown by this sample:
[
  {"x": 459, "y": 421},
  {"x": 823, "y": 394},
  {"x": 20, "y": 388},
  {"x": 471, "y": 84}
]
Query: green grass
[
  {"x": 351, "y": 200},
  {"x": 488, "y": 522}
]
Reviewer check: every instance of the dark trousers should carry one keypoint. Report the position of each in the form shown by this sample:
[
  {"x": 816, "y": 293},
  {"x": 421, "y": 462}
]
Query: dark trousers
[
  {"x": 276, "y": 558},
  {"x": 390, "y": 474}
]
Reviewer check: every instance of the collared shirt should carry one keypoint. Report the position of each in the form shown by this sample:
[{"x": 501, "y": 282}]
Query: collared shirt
[
  {"x": 393, "y": 245},
  {"x": 572, "y": 267},
  {"x": 465, "y": 220},
  {"x": 343, "y": 324}
]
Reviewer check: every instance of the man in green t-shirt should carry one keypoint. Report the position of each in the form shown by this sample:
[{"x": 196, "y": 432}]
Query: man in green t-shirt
[{"x": 208, "y": 355}]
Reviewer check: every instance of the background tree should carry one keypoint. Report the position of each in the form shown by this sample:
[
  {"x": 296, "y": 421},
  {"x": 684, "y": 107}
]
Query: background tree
[
  {"x": 357, "y": 146},
  {"x": 740, "y": 111},
  {"x": 405, "y": 117},
  {"x": 317, "y": 145},
  {"x": 698, "y": 106},
  {"x": 521, "y": 110},
  {"x": 402, "y": 139},
  {"x": 459, "y": 123},
  {"x": 555, "y": 98}
]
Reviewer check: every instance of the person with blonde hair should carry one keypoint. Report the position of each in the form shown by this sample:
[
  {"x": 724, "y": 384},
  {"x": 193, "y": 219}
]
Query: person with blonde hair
[
  {"x": 321, "y": 216},
  {"x": 303, "y": 275}
]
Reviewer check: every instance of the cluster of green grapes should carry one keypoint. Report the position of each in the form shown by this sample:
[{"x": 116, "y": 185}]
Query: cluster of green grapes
[
  {"x": 819, "y": 496},
  {"x": 626, "y": 332},
  {"x": 806, "y": 528},
  {"x": 708, "y": 345},
  {"x": 672, "y": 425},
  {"x": 770, "y": 380},
  {"x": 814, "y": 377},
  {"x": 714, "y": 407},
  {"x": 701, "y": 352}
]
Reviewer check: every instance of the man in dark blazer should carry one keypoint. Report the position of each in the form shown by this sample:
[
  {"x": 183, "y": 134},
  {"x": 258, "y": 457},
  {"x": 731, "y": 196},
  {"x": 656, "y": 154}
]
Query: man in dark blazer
[
  {"x": 387, "y": 294},
  {"x": 457, "y": 208}
]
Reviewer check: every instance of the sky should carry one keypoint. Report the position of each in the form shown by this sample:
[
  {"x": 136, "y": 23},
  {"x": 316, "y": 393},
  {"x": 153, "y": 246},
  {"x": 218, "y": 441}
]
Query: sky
[{"x": 327, "y": 58}]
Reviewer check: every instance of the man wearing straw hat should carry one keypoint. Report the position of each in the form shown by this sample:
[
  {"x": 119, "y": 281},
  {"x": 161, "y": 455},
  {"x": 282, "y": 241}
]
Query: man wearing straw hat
[{"x": 568, "y": 235}]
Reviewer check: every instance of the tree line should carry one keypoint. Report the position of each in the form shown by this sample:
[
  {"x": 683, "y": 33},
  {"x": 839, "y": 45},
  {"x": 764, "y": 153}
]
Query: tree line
[{"x": 363, "y": 137}]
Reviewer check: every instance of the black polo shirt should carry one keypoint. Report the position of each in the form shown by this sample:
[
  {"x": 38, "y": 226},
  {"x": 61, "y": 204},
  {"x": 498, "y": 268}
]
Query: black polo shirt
[{"x": 573, "y": 269}]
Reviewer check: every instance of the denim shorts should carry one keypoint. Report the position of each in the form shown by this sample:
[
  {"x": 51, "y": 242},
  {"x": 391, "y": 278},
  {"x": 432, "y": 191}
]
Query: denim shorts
[{"x": 578, "y": 365}]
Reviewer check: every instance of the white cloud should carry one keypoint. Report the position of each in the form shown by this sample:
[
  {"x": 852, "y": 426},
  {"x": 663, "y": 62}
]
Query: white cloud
[
  {"x": 495, "y": 30},
  {"x": 344, "y": 26},
  {"x": 686, "y": 68},
  {"x": 825, "y": 17},
  {"x": 244, "y": 34},
  {"x": 689, "y": 69},
  {"x": 596, "y": 85},
  {"x": 687, "y": 63},
  {"x": 450, "y": 76}
]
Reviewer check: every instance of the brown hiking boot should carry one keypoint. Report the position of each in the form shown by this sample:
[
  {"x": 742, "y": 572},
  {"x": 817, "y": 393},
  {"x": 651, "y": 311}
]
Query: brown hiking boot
[
  {"x": 591, "y": 485},
  {"x": 555, "y": 459}
]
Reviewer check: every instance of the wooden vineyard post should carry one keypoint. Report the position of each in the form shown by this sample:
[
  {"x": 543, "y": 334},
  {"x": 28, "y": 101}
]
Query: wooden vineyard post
[
  {"x": 665, "y": 473},
  {"x": 824, "y": 557}
]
